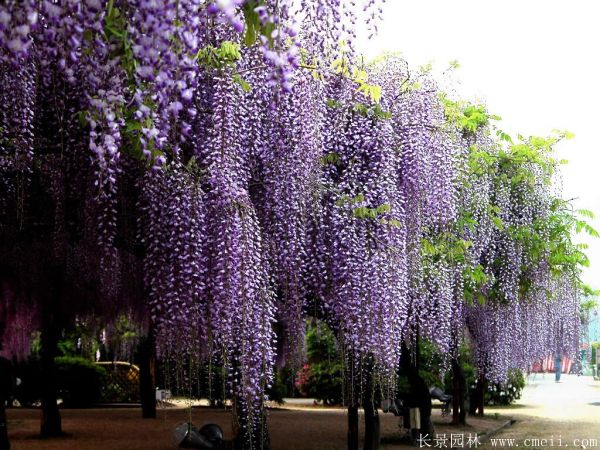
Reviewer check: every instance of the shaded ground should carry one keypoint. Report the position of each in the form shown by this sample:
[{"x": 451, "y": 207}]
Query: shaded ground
[
  {"x": 299, "y": 427},
  {"x": 553, "y": 415}
]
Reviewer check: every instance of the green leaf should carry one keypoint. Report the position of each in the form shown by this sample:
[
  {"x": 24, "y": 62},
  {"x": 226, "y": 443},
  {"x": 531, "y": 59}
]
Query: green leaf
[
  {"x": 330, "y": 158},
  {"x": 394, "y": 223},
  {"x": 384, "y": 208},
  {"x": 585, "y": 213},
  {"x": 237, "y": 78},
  {"x": 252, "y": 23},
  {"x": 333, "y": 103},
  {"x": 454, "y": 64},
  {"x": 359, "y": 198}
]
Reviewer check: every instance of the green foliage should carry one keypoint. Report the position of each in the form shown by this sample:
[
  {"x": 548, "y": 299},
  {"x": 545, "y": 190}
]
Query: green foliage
[
  {"x": 475, "y": 278},
  {"x": 116, "y": 34},
  {"x": 324, "y": 372},
  {"x": 330, "y": 158},
  {"x": 521, "y": 163},
  {"x": 364, "y": 212},
  {"x": 226, "y": 55},
  {"x": 79, "y": 381},
  {"x": 346, "y": 199},
  {"x": 253, "y": 26},
  {"x": 279, "y": 388},
  {"x": 426, "y": 68},
  {"x": 465, "y": 116},
  {"x": 454, "y": 64},
  {"x": 445, "y": 245},
  {"x": 359, "y": 76},
  {"x": 506, "y": 393},
  {"x": 565, "y": 255},
  {"x": 375, "y": 111},
  {"x": 594, "y": 349},
  {"x": 431, "y": 369},
  {"x": 466, "y": 363},
  {"x": 333, "y": 103},
  {"x": 431, "y": 364}
]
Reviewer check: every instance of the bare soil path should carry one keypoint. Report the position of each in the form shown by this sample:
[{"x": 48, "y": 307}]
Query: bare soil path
[{"x": 299, "y": 427}]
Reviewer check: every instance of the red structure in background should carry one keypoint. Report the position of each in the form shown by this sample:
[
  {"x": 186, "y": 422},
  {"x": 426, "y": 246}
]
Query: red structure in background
[{"x": 547, "y": 365}]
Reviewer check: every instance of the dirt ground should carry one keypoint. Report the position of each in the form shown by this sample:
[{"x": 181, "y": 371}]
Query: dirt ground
[{"x": 123, "y": 429}]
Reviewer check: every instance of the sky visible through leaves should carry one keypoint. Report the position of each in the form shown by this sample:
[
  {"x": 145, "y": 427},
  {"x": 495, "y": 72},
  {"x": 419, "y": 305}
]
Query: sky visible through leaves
[{"x": 535, "y": 63}]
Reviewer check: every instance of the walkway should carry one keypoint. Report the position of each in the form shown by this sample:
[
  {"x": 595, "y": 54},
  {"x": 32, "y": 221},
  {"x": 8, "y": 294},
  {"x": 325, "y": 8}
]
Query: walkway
[{"x": 553, "y": 415}]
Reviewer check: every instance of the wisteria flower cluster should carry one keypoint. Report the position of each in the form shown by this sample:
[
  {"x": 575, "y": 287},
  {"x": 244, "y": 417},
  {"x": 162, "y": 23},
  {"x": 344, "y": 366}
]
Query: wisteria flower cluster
[{"x": 226, "y": 170}]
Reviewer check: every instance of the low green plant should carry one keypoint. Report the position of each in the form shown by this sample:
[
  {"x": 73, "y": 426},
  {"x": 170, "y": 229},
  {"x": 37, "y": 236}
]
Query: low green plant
[
  {"x": 506, "y": 393},
  {"x": 79, "y": 381},
  {"x": 321, "y": 377}
]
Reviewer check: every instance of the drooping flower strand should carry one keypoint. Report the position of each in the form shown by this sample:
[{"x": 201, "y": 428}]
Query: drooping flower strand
[
  {"x": 359, "y": 266},
  {"x": 18, "y": 21},
  {"x": 427, "y": 180}
]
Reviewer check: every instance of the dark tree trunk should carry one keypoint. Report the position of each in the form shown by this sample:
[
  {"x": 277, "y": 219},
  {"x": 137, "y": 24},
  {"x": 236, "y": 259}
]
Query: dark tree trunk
[
  {"x": 459, "y": 411},
  {"x": 372, "y": 431},
  {"x": 6, "y": 384},
  {"x": 51, "y": 421},
  {"x": 474, "y": 401},
  {"x": 477, "y": 403},
  {"x": 4, "y": 442},
  {"x": 481, "y": 400},
  {"x": 147, "y": 356},
  {"x": 456, "y": 406},
  {"x": 353, "y": 427},
  {"x": 419, "y": 391}
]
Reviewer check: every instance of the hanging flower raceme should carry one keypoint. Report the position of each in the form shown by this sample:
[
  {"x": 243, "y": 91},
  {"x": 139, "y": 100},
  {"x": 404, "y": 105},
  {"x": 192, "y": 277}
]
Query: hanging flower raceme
[
  {"x": 285, "y": 185},
  {"x": 18, "y": 321},
  {"x": 428, "y": 182},
  {"x": 18, "y": 92},
  {"x": 173, "y": 231},
  {"x": 513, "y": 315},
  {"x": 359, "y": 242},
  {"x": 18, "y": 20}
]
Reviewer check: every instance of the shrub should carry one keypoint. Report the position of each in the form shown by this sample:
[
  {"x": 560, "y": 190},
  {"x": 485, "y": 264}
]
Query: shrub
[
  {"x": 595, "y": 346},
  {"x": 279, "y": 389},
  {"x": 79, "y": 381},
  {"x": 325, "y": 383},
  {"x": 321, "y": 377},
  {"x": 506, "y": 393}
]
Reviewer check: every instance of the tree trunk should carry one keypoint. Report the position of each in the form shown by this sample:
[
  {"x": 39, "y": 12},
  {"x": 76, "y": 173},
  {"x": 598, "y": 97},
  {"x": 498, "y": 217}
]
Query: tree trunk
[
  {"x": 372, "y": 431},
  {"x": 147, "y": 354},
  {"x": 455, "y": 393},
  {"x": 4, "y": 442},
  {"x": 5, "y": 388},
  {"x": 459, "y": 411},
  {"x": 477, "y": 403},
  {"x": 352, "y": 427},
  {"x": 483, "y": 385},
  {"x": 51, "y": 421}
]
